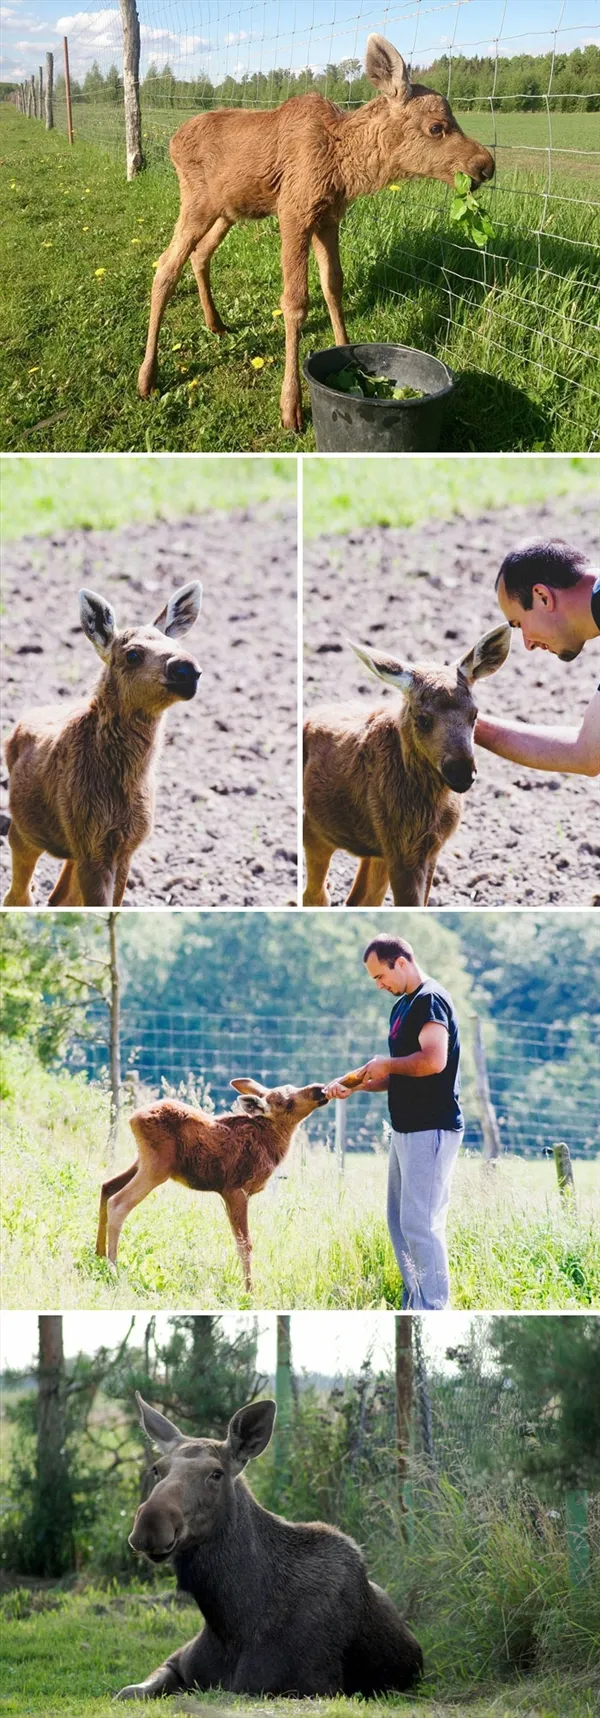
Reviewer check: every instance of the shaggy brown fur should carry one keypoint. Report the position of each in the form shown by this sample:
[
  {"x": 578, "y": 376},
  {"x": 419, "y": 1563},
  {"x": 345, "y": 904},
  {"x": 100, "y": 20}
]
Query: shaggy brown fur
[
  {"x": 385, "y": 784},
  {"x": 305, "y": 162},
  {"x": 231, "y": 1154},
  {"x": 81, "y": 782}
]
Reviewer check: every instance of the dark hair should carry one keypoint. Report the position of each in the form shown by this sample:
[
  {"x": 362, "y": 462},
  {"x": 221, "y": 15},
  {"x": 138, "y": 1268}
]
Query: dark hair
[
  {"x": 555, "y": 564},
  {"x": 389, "y": 950}
]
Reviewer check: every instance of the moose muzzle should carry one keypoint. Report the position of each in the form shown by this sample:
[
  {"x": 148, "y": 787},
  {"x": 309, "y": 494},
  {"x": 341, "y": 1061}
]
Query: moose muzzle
[
  {"x": 481, "y": 169},
  {"x": 459, "y": 773},
  {"x": 183, "y": 674},
  {"x": 157, "y": 1529}
]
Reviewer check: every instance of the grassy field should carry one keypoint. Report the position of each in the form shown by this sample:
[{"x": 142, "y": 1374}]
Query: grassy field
[
  {"x": 64, "y": 1656},
  {"x": 320, "y": 1240},
  {"x": 40, "y": 496},
  {"x": 80, "y": 243},
  {"x": 341, "y": 494}
]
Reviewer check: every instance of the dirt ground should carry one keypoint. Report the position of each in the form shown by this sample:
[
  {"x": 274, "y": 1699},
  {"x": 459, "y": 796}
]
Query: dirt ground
[
  {"x": 527, "y": 838},
  {"x": 225, "y": 833}
]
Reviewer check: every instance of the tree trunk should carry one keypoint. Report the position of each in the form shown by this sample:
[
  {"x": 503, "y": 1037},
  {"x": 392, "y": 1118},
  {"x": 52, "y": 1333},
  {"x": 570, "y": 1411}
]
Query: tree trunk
[
  {"x": 115, "y": 1041},
  {"x": 131, "y": 87},
  {"x": 283, "y": 1397},
  {"x": 52, "y": 1518},
  {"x": 404, "y": 1398}
]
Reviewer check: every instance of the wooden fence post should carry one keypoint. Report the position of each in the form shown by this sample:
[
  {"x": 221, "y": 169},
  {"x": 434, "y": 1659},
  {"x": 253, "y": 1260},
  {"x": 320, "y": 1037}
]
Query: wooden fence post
[
  {"x": 31, "y": 103},
  {"x": 564, "y": 1169},
  {"x": 492, "y": 1143},
  {"x": 68, "y": 91},
  {"x": 341, "y": 1131},
  {"x": 131, "y": 87},
  {"x": 40, "y": 113},
  {"x": 49, "y": 92}
]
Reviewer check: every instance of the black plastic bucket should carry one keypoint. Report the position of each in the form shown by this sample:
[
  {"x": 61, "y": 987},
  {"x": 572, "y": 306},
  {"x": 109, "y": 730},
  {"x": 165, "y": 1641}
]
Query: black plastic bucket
[{"x": 345, "y": 424}]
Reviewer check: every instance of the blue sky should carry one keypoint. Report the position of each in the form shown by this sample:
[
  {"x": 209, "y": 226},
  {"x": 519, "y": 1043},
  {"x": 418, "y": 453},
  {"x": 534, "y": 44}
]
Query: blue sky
[{"x": 221, "y": 36}]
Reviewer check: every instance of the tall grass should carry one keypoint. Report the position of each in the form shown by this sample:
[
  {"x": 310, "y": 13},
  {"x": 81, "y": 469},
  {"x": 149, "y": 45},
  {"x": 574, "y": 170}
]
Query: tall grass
[{"x": 320, "y": 1240}]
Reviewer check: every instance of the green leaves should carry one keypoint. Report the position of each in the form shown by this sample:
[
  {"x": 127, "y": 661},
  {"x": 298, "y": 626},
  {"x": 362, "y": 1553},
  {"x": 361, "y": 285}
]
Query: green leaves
[
  {"x": 466, "y": 214},
  {"x": 353, "y": 380}
]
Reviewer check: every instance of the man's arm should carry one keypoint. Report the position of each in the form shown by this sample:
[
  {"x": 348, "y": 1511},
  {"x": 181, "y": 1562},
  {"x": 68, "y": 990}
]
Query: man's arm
[
  {"x": 430, "y": 1059},
  {"x": 573, "y": 750}
]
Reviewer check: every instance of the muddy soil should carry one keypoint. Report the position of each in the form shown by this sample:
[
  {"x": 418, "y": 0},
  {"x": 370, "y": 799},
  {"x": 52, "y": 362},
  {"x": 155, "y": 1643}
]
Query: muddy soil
[
  {"x": 225, "y": 833},
  {"x": 527, "y": 838}
]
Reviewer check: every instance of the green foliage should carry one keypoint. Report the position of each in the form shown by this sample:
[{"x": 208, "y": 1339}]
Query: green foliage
[
  {"x": 340, "y": 494},
  {"x": 47, "y": 978},
  {"x": 555, "y": 1366},
  {"x": 40, "y": 496},
  {"x": 467, "y": 215}
]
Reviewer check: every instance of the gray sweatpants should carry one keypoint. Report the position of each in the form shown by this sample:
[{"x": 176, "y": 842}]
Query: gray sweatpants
[{"x": 419, "y": 1181}]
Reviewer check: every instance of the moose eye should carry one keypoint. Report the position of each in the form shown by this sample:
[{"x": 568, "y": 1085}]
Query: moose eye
[
  {"x": 132, "y": 657},
  {"x": 425, "y": 723},
  {"x": 217, "y": 1473},
  {"x": 436, "y": 131}
]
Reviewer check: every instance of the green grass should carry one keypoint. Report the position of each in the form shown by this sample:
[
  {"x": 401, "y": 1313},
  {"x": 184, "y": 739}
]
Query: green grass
[
  {"x": 342, "y": 494},
  {"x": 319, "y": 1240},
  {"x": 522, "y": 339},
  {"x": 42, "y": 495},
  {"x": 65, "y": 1655}
]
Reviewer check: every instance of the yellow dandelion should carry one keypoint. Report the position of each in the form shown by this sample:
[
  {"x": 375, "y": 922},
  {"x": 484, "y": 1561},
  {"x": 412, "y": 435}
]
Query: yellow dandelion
[
  {"x": 278, "y": 313},
  {"x": 257, "y": 363},
  {"x": 140, "y": 220},
  {"x": 177, "y": 347},
  {"x": 98, "y": 272},
  {"x": 155, "y": 264},
  {"x": 47, "y": 244},
  {"x": 136, "y": 241},
  {"x": 34, "y": 369},
  {"x": 195, "y": 382},
  {"x": 85, "y": 229},
  {"x": 394, "y": 187}
]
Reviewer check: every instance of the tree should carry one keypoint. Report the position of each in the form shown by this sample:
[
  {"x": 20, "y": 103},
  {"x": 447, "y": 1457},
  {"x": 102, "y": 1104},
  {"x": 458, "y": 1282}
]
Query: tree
[{"x": 554, "y": 1364}]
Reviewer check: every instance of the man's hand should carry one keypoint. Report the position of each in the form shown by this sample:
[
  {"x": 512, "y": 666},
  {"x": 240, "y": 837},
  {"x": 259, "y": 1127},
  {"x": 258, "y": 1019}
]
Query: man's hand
[
  {"x": 573, "y": 751},
  {"x": 373, "y": 1077}
]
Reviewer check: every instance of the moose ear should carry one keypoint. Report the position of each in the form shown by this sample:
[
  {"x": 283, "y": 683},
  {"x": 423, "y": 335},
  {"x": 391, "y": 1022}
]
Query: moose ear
[
  {"x": 387, "y": 668},
  {"x": 487, "y": 655},
  {"x": 250, "y": 1431},
  {"x": 386, "y": 69},
  {"x": 251, "y": 1087},
  {"x": 98, "y": 621},
  {"x": 181, "y": 611},
  {"x": 253, "y": 1098},
  {"x": 159, "y": 1430}
]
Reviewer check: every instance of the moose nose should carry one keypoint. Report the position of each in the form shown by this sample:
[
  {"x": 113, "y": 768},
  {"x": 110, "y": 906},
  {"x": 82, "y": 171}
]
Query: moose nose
[
  {"x": 482, "y": 170},
  {"x": 459, "y": 773},
  {"x": 155, "y": 1532},
  {"x": 183, "y": 675}
]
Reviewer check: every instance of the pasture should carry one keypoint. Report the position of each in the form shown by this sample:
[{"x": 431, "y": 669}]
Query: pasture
[
  {"x": 320, "y": 1238},
  {"x": 518, "y": 323}
]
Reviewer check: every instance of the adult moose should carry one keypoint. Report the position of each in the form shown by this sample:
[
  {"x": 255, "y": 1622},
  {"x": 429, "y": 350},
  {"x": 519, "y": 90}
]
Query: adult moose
[
  {"x": 288, "y": 1607},
  {"x": 384, "y": 784},
  {"x": 233, "y": 1154},
  {"x": 82, "y": 780},
  {"x": 304, "y": 162}
]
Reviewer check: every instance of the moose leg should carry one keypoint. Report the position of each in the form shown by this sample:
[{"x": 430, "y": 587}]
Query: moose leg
[
  {"x": 116, "y": 1183},
  {"x": 62, "y": 887},
  {"x": 146, "y": 1178},
  {"x": 408, "y": 886},
  {"x": 95, "y": 883},
  {"x": 201, "y": 1663},
  {"x": 188, "y": 233},
  {"x": 121, "y": 875},
  {"x": 326, "y": 247},
  {"x": 24, "y": 861},
  {"x": 370, "y": 884},
  {"x": 200, "y": 260},
  {"x": 295, "y": 241},
  {"x": 318, "y": 853},
  {"x": 236, "y": 1205}
]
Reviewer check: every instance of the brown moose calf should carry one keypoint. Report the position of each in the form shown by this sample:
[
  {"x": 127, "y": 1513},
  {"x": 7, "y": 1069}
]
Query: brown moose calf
[
  {"x": 304, "y": 162},
  {"x": 384, "y": 784},
  {"x": 288, "y": 1607},
  {"x": 81, "y": 783}
]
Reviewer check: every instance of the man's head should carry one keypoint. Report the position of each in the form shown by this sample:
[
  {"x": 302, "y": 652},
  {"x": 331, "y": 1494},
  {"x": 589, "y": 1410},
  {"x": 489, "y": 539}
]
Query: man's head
[
  {"x": 390, "y": 962},
  {"x": 535, "y": 588}
]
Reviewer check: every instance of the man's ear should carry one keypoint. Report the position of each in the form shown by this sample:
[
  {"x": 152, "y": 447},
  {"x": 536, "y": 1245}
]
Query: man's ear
[
  {"x": 547, "y": 596},
  {"x": 158, "y": 1429},
  {"x": 250, "y": 1431}
]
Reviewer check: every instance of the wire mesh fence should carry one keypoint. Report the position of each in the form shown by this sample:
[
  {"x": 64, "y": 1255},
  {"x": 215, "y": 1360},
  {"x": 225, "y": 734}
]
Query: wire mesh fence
[
  {"x": 531, "y": 86},
  {"x": 544, "y": 1082}
]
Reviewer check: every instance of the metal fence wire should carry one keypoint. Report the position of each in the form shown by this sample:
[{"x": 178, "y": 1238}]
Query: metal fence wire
[
  {"x": 534, "y": 94},
  {"x": 544, "y": 1080}
]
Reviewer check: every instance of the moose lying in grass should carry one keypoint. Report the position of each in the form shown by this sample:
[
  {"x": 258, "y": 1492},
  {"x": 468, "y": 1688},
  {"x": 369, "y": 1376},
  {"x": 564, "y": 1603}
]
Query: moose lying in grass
[
  {"x": 384, "y": 784},
  {"x": 304, "y": 162},
  {"x": 288, "y": 1607}
]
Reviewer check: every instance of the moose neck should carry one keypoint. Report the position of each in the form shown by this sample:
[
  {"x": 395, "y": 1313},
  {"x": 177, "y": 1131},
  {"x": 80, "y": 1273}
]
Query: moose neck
[
  {"x": 126, "y": 741},
  {"x": 364, "y": 148},
  {"x": 228, "y": 1574}
]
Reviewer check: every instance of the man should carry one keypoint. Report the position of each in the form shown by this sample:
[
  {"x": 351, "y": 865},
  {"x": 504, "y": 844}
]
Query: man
[
  {"x": 421, "y": 1078},
  {"x": 551, "y": 594}
]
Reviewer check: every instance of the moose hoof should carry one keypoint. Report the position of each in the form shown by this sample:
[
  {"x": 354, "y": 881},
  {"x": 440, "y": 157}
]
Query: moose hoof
[
  {"x": 146, "y": 382},
  {"x": 136, "y": 1691},
  {"x": 291, "y": 415}
]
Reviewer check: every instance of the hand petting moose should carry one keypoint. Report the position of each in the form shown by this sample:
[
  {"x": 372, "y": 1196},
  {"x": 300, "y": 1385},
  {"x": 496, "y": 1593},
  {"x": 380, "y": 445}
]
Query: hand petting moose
[
  {"x": 233, "y": 1154},
  {"x": 81, "y": 782},
  {"x": 288, "y": 1607},
  {"x": 304, "y": 162}
]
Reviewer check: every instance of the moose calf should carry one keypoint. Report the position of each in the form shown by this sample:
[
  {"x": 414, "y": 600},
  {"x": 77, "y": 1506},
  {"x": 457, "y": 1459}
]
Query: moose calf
[
  {"x": 233, "y": 1154},
  {"x": 288, "y": 1607},
  {"x": 384, "y": 784},
  {"x": 81, "y": 783},
  {"x": 304, "y": 162}
]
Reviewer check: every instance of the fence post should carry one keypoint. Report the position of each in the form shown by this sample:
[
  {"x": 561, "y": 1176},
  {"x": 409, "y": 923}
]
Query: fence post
[
  {"x": 31, "y": 102},
  {"x": 131, "y": 87},
  {"x": 49, "y": 91},
  {"x": 577, "y": 1530},
  {"x": 40, "y": 114},
  {"x": 492, "y": 1143},
  {"x": 341, "y": 1131},
  {"x": 68, "y": 91},
  {"x": 403, "y": 1325},
  {"x": 564, "y": 1169}
]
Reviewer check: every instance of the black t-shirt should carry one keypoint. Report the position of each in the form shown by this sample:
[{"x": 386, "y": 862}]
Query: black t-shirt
[
  {"x": 431, "y": 1101},
  {"x": 596, "y": 606}
]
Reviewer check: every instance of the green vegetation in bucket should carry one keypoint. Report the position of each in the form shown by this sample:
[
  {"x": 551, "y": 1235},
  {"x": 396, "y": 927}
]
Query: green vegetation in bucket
[
  {"x": 353, "y": 380},
  {"x": 466, "y": 213}
]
